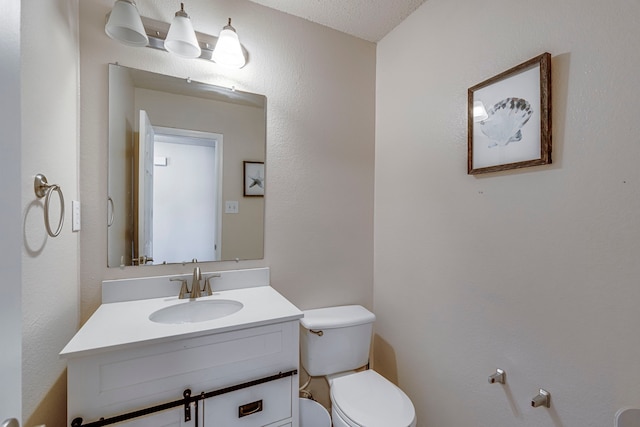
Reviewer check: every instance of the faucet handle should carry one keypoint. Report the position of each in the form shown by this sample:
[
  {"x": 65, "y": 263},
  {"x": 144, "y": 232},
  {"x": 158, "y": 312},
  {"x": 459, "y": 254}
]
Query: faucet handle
[
  {"x": 207, "y": 284},
  {"x": 183, "y": 289}
]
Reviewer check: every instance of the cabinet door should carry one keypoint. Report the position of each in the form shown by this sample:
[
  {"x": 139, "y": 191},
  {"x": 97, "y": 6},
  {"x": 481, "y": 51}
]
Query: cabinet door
[{"x": 261, "y": 405}]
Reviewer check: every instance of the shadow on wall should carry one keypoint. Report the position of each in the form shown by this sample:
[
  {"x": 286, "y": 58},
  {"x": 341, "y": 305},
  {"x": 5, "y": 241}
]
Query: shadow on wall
[
  {"x": 385, "y": 363},
  {"x": 52, "y": 409},
  {"x": 384, "y": 359}
]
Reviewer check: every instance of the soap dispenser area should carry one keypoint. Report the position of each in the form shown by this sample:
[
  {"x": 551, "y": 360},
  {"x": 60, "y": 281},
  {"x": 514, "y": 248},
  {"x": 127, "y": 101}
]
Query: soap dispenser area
[{"x": 237, "y": 368}]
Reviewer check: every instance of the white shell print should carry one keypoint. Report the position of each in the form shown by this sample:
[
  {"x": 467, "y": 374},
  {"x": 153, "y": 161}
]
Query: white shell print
[{"x": 506, "y": 120}]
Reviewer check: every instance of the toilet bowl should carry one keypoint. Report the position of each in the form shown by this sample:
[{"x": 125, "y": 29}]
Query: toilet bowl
[
  {"x": 368, "y": 399},
  {"x": 335, "y": 343}
]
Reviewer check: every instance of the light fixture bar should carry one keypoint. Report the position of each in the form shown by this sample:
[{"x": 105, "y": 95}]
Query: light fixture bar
[{"x": 157, "y": 33}]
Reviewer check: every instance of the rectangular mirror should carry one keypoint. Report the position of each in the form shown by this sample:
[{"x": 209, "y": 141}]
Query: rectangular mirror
[{"x": 177, "y": 155}]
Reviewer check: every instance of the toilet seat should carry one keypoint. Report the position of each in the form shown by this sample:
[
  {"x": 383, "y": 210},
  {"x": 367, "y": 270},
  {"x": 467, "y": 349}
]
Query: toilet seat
[{"x": 367, "y": 399}]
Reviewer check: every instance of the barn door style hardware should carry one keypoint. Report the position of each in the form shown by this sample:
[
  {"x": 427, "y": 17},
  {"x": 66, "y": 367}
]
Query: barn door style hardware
[{"x": 187, "y": 400}]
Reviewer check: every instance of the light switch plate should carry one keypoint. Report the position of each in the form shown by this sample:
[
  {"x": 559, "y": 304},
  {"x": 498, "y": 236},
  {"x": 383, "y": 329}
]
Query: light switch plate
[{"x": 231, "y": 207}]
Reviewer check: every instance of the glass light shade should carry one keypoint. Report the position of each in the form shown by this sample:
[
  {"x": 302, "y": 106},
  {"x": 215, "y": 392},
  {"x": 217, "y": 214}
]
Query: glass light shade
[
  {"x": 124, "y": 24},
  {"x": 228, "y": 51},
  {"x": 479, "y": 112},
  {"x": 181, "y": 39}
]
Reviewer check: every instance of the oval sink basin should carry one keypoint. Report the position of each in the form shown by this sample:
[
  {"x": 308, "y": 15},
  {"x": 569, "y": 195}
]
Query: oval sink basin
[{"x": 195, "y": 311}]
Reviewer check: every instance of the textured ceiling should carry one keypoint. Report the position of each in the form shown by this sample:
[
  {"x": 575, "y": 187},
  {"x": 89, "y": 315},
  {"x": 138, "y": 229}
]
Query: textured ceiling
[{"x": 367, "y": 19}]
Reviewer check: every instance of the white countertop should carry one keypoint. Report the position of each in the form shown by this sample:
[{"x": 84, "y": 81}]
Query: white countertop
[{"x": 126, "y": 324}]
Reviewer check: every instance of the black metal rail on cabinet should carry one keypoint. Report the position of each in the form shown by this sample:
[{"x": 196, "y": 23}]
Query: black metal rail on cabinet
[{"x": 186, "y": 401}]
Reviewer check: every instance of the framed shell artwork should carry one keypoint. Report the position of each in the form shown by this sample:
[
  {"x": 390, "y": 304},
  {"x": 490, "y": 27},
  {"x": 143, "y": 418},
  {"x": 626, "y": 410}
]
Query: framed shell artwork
[{"x": 509, "y": 119}]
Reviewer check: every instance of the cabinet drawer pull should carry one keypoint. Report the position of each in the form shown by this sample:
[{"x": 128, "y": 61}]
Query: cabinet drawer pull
[{"x": 249, "y": 408}]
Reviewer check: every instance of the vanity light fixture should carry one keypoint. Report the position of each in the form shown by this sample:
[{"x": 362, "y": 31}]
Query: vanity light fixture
[
  {"x": 181, "y": 39},
  {"x": 125, "y": 25},
  {"x": 228, "y": 51}
]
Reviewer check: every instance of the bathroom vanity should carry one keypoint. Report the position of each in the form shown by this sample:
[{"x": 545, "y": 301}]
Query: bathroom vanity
[{"x": 121, "y": 361}]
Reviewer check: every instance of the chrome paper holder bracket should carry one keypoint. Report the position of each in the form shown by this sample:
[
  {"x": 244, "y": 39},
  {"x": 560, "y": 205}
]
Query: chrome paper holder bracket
[
  {"x": 42, "y": 188},
  {"x": 498, "y": 377},
  {"x": 542, "y": 399}
]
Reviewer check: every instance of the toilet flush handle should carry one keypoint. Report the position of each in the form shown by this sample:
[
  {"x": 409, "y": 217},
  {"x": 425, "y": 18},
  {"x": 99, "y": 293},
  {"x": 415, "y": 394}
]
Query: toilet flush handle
[{"x": 318, "y": 333}]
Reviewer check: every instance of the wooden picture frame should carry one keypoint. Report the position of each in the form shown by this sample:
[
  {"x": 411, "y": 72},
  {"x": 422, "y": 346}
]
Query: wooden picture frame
[
  {"x": 253, "y": 180},
  {"x": 514, "y": 130}
]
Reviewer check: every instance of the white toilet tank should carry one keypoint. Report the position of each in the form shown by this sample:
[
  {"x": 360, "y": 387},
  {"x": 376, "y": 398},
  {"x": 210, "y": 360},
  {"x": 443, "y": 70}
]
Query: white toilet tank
[{"x": 335, "y": 339}]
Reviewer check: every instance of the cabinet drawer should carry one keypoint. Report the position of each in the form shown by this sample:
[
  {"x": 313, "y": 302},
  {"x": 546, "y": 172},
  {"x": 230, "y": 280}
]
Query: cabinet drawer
[{"x": 259, "y": 405}]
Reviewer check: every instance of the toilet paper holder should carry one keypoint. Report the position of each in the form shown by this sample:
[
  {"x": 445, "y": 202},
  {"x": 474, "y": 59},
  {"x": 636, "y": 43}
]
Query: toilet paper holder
[
  {"x": 499, "y": 376},
  {"x": 542, "y": 399}
]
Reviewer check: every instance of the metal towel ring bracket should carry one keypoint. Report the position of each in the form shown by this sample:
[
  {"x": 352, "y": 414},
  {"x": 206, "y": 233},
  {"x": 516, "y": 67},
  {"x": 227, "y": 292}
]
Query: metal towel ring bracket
[{"x": 42, "y": 188}]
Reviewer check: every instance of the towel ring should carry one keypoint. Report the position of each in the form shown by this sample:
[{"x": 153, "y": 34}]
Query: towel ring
[{"x": 42, "y": 188}]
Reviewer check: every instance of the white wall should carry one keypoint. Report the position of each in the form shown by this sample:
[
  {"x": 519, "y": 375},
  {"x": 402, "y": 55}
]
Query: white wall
[
  {"x": 10, "y": 214},
  {"x": 50, "y": 303},
  {"x": 534, "y": 271},
  {"x": 320, "y": 89}
]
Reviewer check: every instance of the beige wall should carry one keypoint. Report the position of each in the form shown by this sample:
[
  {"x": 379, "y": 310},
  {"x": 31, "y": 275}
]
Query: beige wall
[
  {"x": 320, "y": 89},
  {"x": 534, "y": 271},
  {"x": 50, "y": 266}
]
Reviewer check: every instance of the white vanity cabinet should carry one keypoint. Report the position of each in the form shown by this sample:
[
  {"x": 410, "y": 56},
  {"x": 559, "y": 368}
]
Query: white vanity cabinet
[
  {"x": 110, "y": 383},
  {"x": 242, "y": 366}
]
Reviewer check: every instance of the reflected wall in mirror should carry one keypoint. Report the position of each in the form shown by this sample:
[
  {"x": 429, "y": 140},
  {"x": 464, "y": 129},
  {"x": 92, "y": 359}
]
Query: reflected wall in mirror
[{"x": 176, "y": 154}]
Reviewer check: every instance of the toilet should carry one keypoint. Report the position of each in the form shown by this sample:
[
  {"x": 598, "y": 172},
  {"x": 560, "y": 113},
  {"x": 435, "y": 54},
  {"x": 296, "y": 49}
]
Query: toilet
[{"x": 334, "y": 343}]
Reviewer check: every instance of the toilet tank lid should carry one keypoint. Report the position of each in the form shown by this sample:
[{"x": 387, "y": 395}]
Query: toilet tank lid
[{"x": 336, "y": 317}]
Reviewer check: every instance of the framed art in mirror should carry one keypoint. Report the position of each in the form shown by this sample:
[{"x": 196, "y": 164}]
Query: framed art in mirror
[
  {"x": 253, "y": 179},
  {"x": 509, "y": 119}
]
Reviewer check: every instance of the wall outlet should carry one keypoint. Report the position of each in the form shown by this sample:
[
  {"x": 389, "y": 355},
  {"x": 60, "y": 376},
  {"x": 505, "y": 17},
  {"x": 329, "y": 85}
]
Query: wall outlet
[{"x": 231, "y": 207}]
